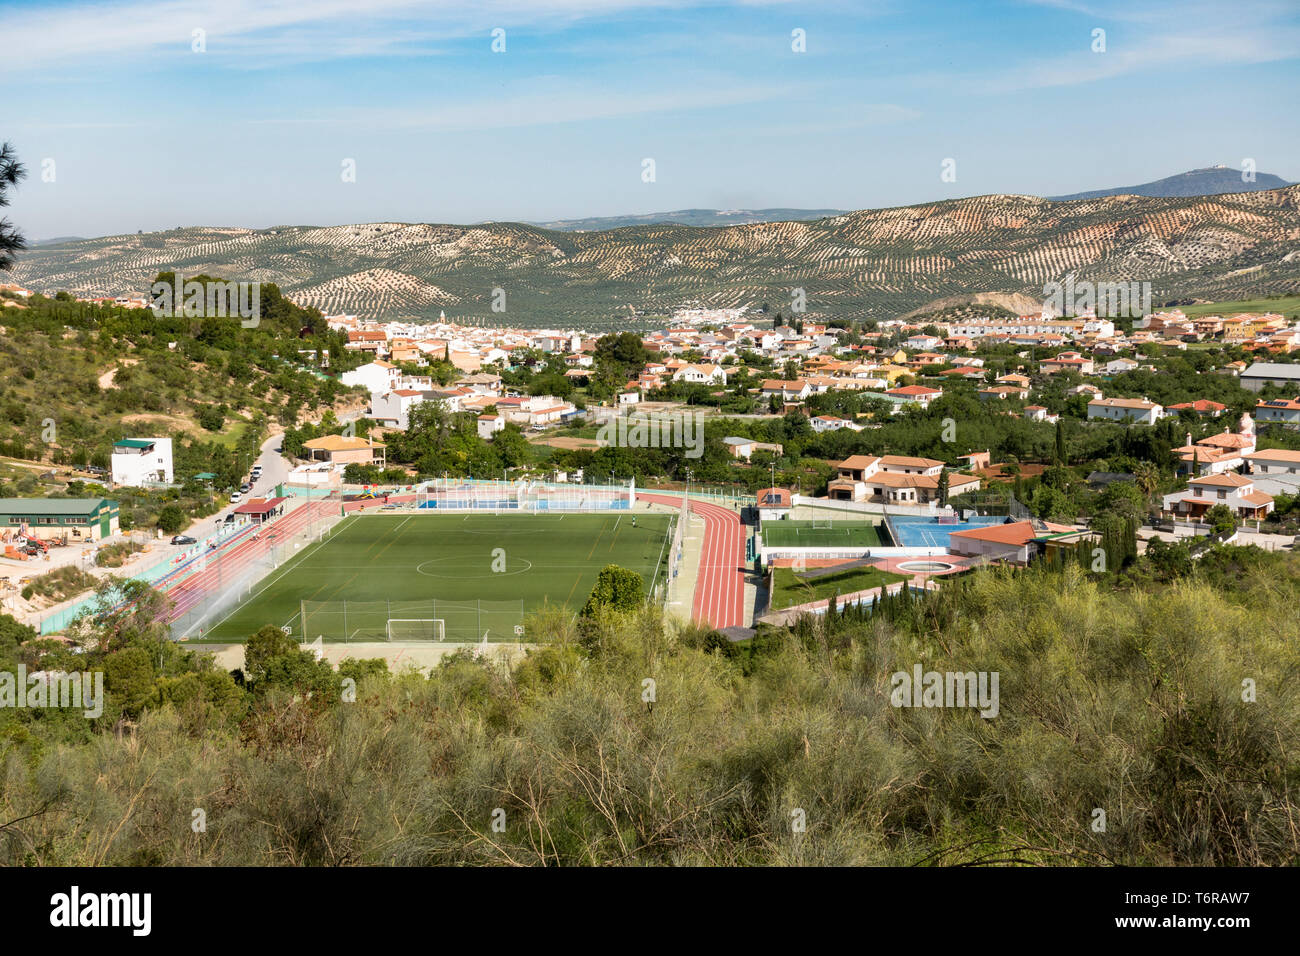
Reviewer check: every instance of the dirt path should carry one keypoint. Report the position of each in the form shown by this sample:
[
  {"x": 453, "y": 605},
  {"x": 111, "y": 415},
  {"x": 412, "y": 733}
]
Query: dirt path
[
  {"x": 106, "y": 380},
  {"x": 565, "y": 442}
]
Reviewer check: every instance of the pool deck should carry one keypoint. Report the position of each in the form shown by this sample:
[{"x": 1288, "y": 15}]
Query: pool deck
[{"x": 958, "y": 563}]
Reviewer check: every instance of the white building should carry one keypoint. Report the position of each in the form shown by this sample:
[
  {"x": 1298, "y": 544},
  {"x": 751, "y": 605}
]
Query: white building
[
  {"x": 1274, "y": 461},
  {"x": 701, "y": 374},
  {"x": 139, "y": 461},
  {"x": 1236, "y": 491},
  {"x": 830, "y": 423},
  {"x": 1124, "y": 410},
  {"x": 392, "y": 409},
  {"x": 489, "y": 424},
  {"x": 1279, "y": 411},
  {"x": 373, "y": 377}
]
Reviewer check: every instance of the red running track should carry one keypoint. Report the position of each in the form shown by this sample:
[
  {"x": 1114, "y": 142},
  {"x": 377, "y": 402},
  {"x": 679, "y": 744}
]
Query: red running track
[
  {"x": 203, "y": 583},
  {"x": 720, "y": 587}
]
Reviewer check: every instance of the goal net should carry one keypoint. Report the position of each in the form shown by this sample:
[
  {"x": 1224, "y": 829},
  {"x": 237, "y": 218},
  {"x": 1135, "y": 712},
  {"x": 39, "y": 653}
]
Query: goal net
[
  {"x": 428, "y": 619},
  {"x": 415, "y": 629},
  {"x": 822, "y": 523}
]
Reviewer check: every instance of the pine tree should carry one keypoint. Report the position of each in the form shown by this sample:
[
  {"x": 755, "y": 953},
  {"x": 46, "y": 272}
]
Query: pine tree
[{"x": 11, "y": 240}]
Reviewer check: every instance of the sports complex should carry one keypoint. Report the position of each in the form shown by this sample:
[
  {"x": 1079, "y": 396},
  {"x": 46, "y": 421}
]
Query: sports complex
[
  {"x": 437, "y": 576},
  {"x": 451, "y": 560},
  {"x": 466, "y": 562}
]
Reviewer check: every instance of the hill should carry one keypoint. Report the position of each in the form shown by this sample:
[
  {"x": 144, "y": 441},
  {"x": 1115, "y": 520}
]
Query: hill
[
  {"x": 80, "y": 376},
  {"x": 1210, "y": 181},
  {"x": 876, "y": 263},
  {"x": 982, "y": 302},
  {"x": 690, "y": 217}
]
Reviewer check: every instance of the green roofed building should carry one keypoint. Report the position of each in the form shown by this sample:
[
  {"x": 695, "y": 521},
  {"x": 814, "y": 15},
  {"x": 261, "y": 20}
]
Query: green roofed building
[{"x": 77, "y": 519}]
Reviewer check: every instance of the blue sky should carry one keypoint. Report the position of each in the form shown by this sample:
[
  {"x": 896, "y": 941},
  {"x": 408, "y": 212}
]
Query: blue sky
[{"x": 145, "y": 133}]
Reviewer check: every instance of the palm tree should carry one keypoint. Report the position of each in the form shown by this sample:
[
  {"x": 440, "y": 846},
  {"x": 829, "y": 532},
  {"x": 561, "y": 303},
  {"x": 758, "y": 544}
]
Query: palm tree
[
  {"x": 1147, "y": 478},
  {"x": 11, "y": 240}
]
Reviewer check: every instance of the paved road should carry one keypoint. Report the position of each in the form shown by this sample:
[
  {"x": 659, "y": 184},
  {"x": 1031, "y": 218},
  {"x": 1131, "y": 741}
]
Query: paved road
[{"x": 275, "y": 469}]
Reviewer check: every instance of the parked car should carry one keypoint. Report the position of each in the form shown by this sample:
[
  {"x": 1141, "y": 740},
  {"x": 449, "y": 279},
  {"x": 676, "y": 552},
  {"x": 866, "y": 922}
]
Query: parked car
[
  {"x": 183, "y": 539},
  {"x": 236, "y": 498},
  {"x": 245, "y": 487}
]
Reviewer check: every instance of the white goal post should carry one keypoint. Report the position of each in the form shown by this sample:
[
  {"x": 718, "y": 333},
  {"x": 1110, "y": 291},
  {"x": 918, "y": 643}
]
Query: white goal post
[{"x": 415, "y": 629}]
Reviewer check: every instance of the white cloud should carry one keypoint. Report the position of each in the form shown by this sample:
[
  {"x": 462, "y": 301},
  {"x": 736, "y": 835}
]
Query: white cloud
[{"x": 84, "y": 33}]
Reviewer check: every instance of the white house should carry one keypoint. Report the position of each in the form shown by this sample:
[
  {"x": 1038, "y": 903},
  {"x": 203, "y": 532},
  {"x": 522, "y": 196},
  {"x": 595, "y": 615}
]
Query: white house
[
  {"x": 895, "y": 479},
  {"x": 137, "y": 461},
  {"x": 795, "y": 390},
  {"x": 921, "y": 394},
  {"x": 373, "y": 377},
  {"x": 489, "y": 424},
  {"x": 830, "y": 423},
  {"x": 923, "y": 341},
  {"x": 1279, "y": 411},
  {"x": 1124, "y": 410},
  {"x": 701, "y": 374},
  {"x": 1236, "y": 491},
  {"x": 745, "y": 447},
  {"x": 534, "y": 411},
  {"x": 392, "y": 409},
  {"x": 1274, "y": 461}
]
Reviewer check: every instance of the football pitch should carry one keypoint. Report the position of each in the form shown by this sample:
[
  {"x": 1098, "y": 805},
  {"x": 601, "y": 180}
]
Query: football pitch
[
  {"x": 823, "y": 533},
  {"x": 476, "y": 574}
]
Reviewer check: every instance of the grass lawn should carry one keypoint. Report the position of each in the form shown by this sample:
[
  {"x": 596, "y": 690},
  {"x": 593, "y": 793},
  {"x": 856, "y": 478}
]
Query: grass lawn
[
  {"x": 802, "y": 534},
  {"x": 1288, "y": 306},
  {"x": 789, "y": 588},
  {"x": 228, "y": 437},
  {"x": 440, "y": 567}
]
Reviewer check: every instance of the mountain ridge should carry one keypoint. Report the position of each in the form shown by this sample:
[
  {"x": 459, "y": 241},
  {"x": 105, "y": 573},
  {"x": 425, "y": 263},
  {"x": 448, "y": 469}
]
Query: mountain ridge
[
  {"x": 1207, "y": 181},
  {"x": 877, "y": 263},
  {"x": 691, "y": 217}
]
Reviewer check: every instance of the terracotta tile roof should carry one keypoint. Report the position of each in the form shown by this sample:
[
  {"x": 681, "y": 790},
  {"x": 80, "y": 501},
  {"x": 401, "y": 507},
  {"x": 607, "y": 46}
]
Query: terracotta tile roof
[
  {"x": 1275, "y": 454},
  {"x": 1222, "y": 481},
  {"x": 1017, "y": 533},
  {"x": 906, "y": 462},
  {"x": 858, "y": 462}
]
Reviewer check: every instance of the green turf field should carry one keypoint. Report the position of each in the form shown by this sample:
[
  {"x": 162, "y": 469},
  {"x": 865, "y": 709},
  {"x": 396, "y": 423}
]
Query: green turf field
[
  {"x": 1288, "y": 306},
  {"x": 441, "y": 567},
  {"x": 802, "y": 534},
  {"x": 790, "y": 588}
]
